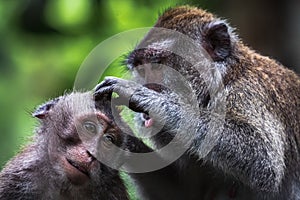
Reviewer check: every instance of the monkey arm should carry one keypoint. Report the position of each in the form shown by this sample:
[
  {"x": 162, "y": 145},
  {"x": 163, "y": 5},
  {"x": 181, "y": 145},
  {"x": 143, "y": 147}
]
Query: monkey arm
[
  {"x": 243, "y": 151},
  {"x": 249, "y": 153},
  {"x": 238, "y": 148},
  {"x": 141, "y": 99},
  {"x": 147, "y": 185}
]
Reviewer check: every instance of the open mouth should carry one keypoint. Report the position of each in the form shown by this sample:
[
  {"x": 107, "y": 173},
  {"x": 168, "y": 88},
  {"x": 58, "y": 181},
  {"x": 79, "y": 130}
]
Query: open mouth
[
  {"x": 80, "y": 167},
  {"x": 148, "y": 121}
]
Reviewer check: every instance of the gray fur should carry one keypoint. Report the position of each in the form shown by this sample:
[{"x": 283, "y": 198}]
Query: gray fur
[{"x": 255, "y": 144}]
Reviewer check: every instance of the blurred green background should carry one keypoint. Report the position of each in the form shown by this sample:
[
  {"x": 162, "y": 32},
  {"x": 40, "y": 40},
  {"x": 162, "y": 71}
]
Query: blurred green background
[{"x": 44, "y": 42}]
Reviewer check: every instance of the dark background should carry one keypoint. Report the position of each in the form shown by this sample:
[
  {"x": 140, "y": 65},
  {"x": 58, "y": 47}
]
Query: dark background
[{"x": 43, "y": 43}]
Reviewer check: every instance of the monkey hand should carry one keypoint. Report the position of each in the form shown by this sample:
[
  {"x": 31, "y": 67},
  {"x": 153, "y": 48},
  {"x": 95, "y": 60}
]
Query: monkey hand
[{"x": 139, "y": 98}]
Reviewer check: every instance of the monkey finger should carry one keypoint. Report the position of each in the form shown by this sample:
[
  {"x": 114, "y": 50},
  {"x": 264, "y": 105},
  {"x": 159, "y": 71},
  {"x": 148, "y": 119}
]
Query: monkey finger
[
  {"x": 119, "y": 101},
  {"x": 103, "y": 92},
  {"x": 131, "y": 104},
  {"x": 108, "y": 85},
  {"x": 108, "y": 81}
]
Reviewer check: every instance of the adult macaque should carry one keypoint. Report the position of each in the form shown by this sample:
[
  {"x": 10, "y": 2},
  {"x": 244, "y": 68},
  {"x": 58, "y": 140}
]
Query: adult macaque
[{"x": 255, "y": 152}]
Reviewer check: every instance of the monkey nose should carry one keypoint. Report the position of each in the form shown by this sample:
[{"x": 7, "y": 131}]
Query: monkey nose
[
  {"x": 82, "y": 161},
  {"x": 86, "y": 159},
  {"x": 91, "y": 158},
  {"x": 80, "y": 166}
]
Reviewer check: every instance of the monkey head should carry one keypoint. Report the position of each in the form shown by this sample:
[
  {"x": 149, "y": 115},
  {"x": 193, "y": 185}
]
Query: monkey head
[
  {"x": 185, "y": 39},
  {"x": 79, "y": 133},
  {"x": 189, "y": 51}
]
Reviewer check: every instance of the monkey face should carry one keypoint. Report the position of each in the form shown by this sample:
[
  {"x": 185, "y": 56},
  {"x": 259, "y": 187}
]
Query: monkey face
[
  {"x": 192, "y": 43},
  {"x": 89, "y": 142},
  {"x": 99, "y": 134},
  {"x": 79, "y": 137},
  {"x": 188, "y": 61}
]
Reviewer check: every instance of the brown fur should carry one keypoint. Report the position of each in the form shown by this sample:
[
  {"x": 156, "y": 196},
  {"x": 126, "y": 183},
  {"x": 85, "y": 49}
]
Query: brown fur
[
  {"x": 257, "y": 151},
  {"x": 41, "y": 170}
]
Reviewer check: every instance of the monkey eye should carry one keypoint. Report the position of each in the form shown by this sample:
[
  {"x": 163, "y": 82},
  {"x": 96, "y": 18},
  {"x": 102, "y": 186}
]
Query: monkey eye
[
  {"x": 90, "y": 126},
  {"x": 108, "y": 139}
]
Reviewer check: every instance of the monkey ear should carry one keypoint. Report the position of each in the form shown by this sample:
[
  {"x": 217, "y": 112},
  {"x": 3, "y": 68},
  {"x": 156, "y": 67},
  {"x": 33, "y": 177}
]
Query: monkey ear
[
  {"x": 216, "y": 40},
  {"x": 42, "y": 111}
]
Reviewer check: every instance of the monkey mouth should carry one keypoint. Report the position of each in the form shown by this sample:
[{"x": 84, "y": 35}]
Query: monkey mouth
[
  {"x": 80, "y": 167},
  {"x": 148, "y": 121},
  {"x": 76, "y": 172}
]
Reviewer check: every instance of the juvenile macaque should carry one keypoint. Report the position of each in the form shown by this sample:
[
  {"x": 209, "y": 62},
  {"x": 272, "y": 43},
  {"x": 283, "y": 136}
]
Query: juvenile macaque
[
  {"x": 61, "y": 161},
  {"x": 247, "y": 149}
]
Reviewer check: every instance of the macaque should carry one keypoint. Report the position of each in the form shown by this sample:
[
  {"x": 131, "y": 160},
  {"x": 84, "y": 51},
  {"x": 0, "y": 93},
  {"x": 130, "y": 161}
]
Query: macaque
[
  {"x": 63, "y": 160},
  {"x": 238, "y": 113}
]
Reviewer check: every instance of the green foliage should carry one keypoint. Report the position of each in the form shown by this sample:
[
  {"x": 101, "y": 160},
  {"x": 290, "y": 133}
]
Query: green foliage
[{"x": 129, "y": 185}]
